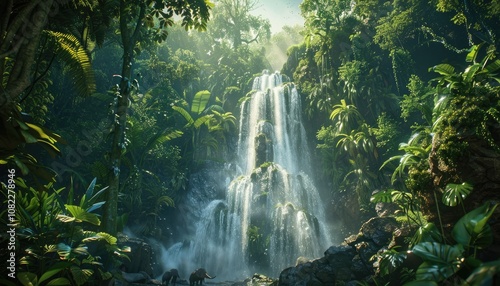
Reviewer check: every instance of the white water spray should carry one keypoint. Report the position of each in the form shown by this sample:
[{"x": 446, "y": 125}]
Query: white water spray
[{"x": 272, "y": 213}]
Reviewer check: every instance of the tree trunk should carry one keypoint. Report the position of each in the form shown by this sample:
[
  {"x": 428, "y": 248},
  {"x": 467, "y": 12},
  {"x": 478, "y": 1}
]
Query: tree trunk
[
  {"x": 20, "y": 35},
  {"x": 21, "y": 38},
  {"x": 120, "y": 120}
]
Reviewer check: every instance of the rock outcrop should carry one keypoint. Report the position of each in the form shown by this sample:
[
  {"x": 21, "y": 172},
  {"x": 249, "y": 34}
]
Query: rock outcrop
[
  {"x": 480, "y": 166},
  {"x": 347, "y": 263}
]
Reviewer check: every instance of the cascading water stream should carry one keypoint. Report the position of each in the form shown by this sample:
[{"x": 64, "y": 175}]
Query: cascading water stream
[{"x": 272, "y": 213}]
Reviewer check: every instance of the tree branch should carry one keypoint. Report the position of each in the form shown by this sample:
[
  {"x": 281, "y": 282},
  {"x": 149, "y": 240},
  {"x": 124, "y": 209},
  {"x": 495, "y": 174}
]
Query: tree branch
[
  {"x": 123, "y": 25},
  {"x": 7, "y": 11},
  {"x": 14, "y": 29},
  {"x": 19, "y": 77},
  {"x": 138, "y": 25}
]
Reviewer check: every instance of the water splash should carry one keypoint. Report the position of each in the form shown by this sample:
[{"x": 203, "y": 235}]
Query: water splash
[{"x": 272, "y": 212}]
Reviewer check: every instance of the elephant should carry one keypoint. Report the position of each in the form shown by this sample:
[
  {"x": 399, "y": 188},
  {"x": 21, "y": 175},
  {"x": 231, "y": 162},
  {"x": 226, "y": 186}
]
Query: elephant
[
  {"x": 198, "y": 276},
  {"x": 170, "y": 276}
]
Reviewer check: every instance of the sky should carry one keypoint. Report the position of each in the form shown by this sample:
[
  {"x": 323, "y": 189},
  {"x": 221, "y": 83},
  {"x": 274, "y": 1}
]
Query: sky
[{"x": 280, "y": 13}]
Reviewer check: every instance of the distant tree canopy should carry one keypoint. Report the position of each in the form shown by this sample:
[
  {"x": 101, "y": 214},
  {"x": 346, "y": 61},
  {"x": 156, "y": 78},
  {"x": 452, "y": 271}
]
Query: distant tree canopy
[{"x": 233, "y": 23}]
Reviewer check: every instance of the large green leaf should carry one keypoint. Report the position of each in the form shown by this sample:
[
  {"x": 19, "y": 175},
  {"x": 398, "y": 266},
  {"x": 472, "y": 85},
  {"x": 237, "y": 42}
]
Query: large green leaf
[
  {"x": 53, "y": 270},
  {"x": 426, "y": 233},
  {"x": 472, "y": 230},
  {"x": 61, "y": 281},
  {"x": 484, "y": 274},
  {"x": 87, "y": 200},
  {"x": 27, "y": 278},
  {"x": 63, "y": 250},
  {"x": 79, "y": 214},
  {"x": 401, "y": 197},
  {"x": 101, "y": 236},
  {"x": 95, "y": 206},
  {"x": 391, "y": 260},
  {"x": 456, "y": 193},
  {"x": 493, "y": 67},
  {"x": 435, "y": 271},
  {"x": 382, "y": 197},
  {"x": 202, "y": 120},
  {"x": 108, "y": 237},
  {"x": 471, "y": 56},
  {"x": 441, "y": 261},
  {"x": 443, "y": 69},
  {"x": 80, "y": 275},
  {"x": 184, "y": 114},
  {"x": 164, "y": 137},
  {"x": 28, "y": 138},
  {"x": 470, "y": 72},
  {"x": 200, "y": 101},
  {"x": 88, "y": 193}
]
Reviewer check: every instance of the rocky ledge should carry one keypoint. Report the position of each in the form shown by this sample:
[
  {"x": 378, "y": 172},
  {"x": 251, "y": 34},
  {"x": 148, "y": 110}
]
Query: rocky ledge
[{"x": 348, "y": 263}]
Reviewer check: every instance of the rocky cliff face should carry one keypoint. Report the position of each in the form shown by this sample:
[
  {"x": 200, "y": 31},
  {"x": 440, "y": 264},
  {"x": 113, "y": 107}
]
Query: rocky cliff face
[{"x": 478, "y": 165}]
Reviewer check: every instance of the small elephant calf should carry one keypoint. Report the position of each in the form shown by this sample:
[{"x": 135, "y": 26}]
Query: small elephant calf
[{"x": 170, "y": 276}]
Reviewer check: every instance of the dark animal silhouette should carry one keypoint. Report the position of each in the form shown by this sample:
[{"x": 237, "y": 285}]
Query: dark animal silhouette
[
  {"x": 198, "y": 276},
  {"x": 170, "y": 276}
]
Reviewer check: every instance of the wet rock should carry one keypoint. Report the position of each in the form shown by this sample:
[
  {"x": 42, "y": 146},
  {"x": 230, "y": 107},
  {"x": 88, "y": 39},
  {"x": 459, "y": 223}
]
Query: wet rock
[
  {"x": 322, "y": 271},
  {"x": 347, "y": 263},
  {"x": 400, "y": 236},
  {"x": 324, "y": 275},
  {"x": 359, "y": 267},
  {"x": 263, "y": 149},
  {"x": 386, "y": 209},
  {"x": 317, "y": 272},
  {"x": 352, "y": 240},
  {"x": 302, "y": 260},
  {"x": 366, "y": 250},
  {"x": 340, "y": 256},
  {"x": 205, "y": 185},
  {"x": 379, "y": 230},
  {"x": 260, "y": 279},
  {"x": 141, "y": 255}
]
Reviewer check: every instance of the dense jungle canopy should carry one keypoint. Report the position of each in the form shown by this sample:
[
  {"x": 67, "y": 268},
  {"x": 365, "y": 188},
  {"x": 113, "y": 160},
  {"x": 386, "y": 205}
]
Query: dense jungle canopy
[{"x": 107, "y": 107}]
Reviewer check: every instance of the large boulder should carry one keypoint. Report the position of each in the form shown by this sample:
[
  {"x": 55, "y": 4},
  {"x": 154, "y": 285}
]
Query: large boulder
[
  {"x": 346, "y": 263},
  {"x": 379, "y": 229},
  {"x": 140, "y": 256}
]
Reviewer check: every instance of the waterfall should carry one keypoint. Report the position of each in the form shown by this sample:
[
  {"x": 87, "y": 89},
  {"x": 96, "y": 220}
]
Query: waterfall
[{"x": 272, "y": 213}]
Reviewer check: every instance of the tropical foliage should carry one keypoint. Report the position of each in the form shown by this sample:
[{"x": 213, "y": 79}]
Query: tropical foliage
[
  {"x": 400, "y": 95},
  {"x": 444, "y": 262},
  {"x": 59, "y": 236}
]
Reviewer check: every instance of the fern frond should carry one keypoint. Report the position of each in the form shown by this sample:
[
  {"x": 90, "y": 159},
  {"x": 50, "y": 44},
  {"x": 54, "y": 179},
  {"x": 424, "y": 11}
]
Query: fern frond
[{"x": 77, "y": 60}]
